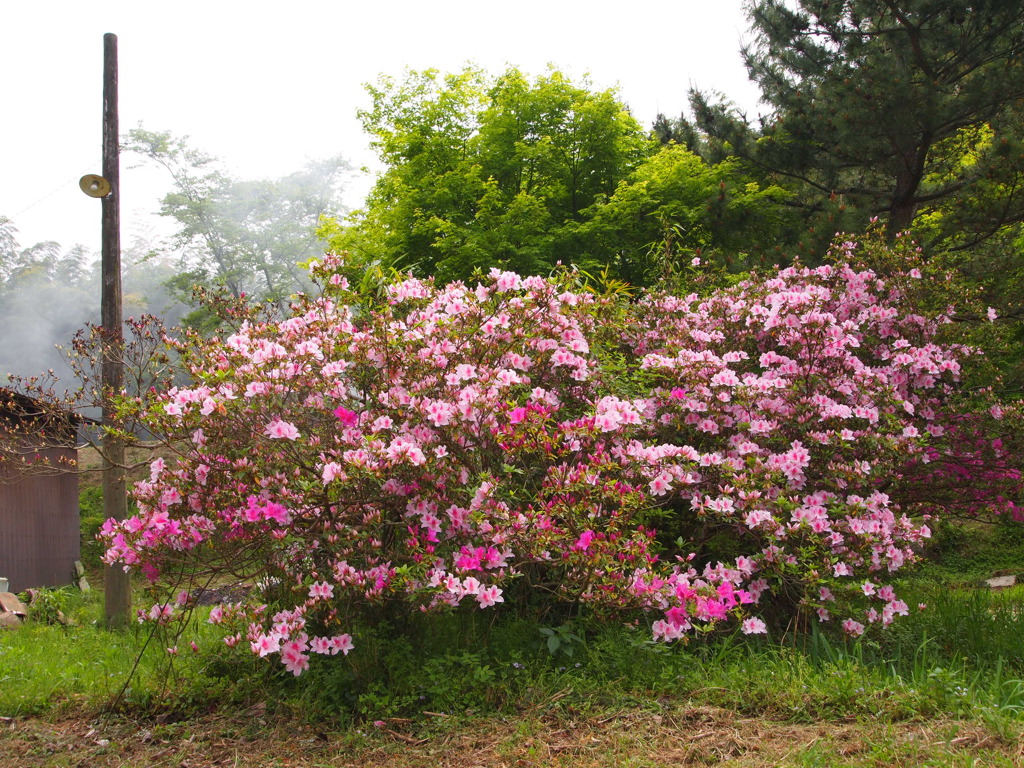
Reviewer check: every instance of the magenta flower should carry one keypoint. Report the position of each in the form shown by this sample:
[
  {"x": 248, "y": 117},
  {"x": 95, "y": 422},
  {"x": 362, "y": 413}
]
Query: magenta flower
[
  {"x": 516, "y": 415},
  {"x": 584, "y": 541},
  {"x": 346, "y": 417}
]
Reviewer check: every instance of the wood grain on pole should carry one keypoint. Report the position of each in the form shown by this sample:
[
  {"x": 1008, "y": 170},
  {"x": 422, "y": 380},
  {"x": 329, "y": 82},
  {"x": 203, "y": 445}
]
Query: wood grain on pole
[{"x": 117, "y": 583}]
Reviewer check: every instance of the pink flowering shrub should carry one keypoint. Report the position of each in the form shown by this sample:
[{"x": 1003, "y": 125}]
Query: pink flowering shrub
[{"x": 459, "y": 446}]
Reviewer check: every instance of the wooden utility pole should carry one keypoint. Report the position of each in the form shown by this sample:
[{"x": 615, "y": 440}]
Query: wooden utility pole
[{"x": 117, "y": 583}]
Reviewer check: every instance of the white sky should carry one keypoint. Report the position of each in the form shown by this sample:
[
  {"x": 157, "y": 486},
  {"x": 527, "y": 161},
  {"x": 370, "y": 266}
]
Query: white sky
[{"x": 266, "y": 86}]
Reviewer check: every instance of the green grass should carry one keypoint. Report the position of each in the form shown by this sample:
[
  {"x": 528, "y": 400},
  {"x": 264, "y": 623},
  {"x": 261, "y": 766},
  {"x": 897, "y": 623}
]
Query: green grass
[
  {"x": 941, "y": 687},
  {"x": 962, "y": 656},
  {"x": 965, "y": 554},
  {"x": 606, "y": 695},
  {"x": 57, "y": 666}
]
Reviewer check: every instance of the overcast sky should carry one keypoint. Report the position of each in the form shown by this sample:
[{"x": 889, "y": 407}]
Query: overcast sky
[{"x": 266, "y": 87}]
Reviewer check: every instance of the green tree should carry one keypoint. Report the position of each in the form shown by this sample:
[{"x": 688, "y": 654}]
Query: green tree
[
  {"x": 486, "y": 172},
  {"x": 247, "y": 236},
  {"x": 877, "y": 103},
  {"x": 676, "y": 204}
]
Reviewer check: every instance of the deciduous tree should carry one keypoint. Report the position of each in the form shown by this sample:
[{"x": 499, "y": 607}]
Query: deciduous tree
[
  {"x": 245, "y": 235},
  {"x": 488, "y": 172}
]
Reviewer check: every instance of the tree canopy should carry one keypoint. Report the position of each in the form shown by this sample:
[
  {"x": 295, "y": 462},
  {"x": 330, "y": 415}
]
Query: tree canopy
[
  {"x": 522, "y": 174},
  {"x": 890, "y": 108},
  {"x": 486, "y": 171}
]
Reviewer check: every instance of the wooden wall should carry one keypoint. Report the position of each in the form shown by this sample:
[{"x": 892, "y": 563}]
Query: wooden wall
[{"x": 39, "y": 527}]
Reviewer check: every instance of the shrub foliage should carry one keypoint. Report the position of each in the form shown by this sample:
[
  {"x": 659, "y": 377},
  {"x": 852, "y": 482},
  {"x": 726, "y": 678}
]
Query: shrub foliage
[{"x": 526, "y": 440}]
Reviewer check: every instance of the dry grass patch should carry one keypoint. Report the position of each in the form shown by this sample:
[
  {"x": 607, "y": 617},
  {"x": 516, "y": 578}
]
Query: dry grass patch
[{"x": 675, "y": 736}]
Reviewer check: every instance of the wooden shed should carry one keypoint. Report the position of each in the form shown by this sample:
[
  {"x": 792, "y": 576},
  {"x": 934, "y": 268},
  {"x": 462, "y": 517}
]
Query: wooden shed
[{"x": 40, "y": 537}]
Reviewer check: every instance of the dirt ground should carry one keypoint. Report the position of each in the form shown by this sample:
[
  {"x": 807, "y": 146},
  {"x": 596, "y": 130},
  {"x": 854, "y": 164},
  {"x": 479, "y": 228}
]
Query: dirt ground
[
  {"x": 677, "y": 737},
  {"x": 90, "y": 463}
]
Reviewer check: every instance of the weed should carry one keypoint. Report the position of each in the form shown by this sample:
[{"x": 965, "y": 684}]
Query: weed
[
  {"x": 560, "y": 641},
  {"x": 47, "y": 605}
]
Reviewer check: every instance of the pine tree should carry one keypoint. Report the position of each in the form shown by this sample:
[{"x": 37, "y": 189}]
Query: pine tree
[{"x": 890, "y": 108}]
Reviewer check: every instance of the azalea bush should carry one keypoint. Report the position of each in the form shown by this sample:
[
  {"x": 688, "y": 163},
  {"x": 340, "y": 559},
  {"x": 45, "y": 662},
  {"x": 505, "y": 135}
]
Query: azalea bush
[{"x": 525, "y": 440}]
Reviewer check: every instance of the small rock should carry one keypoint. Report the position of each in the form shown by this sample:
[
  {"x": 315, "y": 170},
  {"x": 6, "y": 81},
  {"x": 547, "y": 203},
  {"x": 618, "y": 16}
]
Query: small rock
[
  {"x": 1001, "y": 582},
  {"x": 12, "y": 612}
]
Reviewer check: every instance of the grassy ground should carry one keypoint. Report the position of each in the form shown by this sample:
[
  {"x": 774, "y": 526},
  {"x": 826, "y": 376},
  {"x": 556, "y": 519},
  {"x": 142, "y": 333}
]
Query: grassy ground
[
  {"x": 944, "y": 687},
  {"x": 616, "y": 701}
]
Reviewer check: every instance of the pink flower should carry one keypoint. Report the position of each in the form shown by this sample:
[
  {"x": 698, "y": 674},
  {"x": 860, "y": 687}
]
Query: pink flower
[
  {"x": 815, "y": 357},
  {"x": 667, "y": 631},
  {"x": 400, "y": 449},
  {"x": 753, "y": 626},
  {"x": 758, "y": 516},
  {"x": 853, "y": 628},
  {"x": 506, "y": 281},
  {"x": 321, "y": 590},
  {"x": 489, "y": 596},
  {"x": 294, "y": 660},
  {"x": 331, "y": 470},
  {"x": 322, "y": 646},
  {"x": 264, "y": 645},
  {"x": 342, "y": 643},
  {"x": 841, "y": 569},
  {"x": 278, "y": 429},
  {"x": 662, "y": 484}
]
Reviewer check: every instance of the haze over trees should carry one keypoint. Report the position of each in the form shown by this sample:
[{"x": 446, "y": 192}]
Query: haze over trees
[
  {"x": 248, "y": 236},
  {"x": 47, "y": 293},
  {"x": 906, "y": 110}
]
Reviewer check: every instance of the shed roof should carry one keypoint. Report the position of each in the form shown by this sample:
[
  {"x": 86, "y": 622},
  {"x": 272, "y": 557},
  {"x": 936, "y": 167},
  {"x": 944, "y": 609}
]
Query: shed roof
[{"x": 23, "y": 415}]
